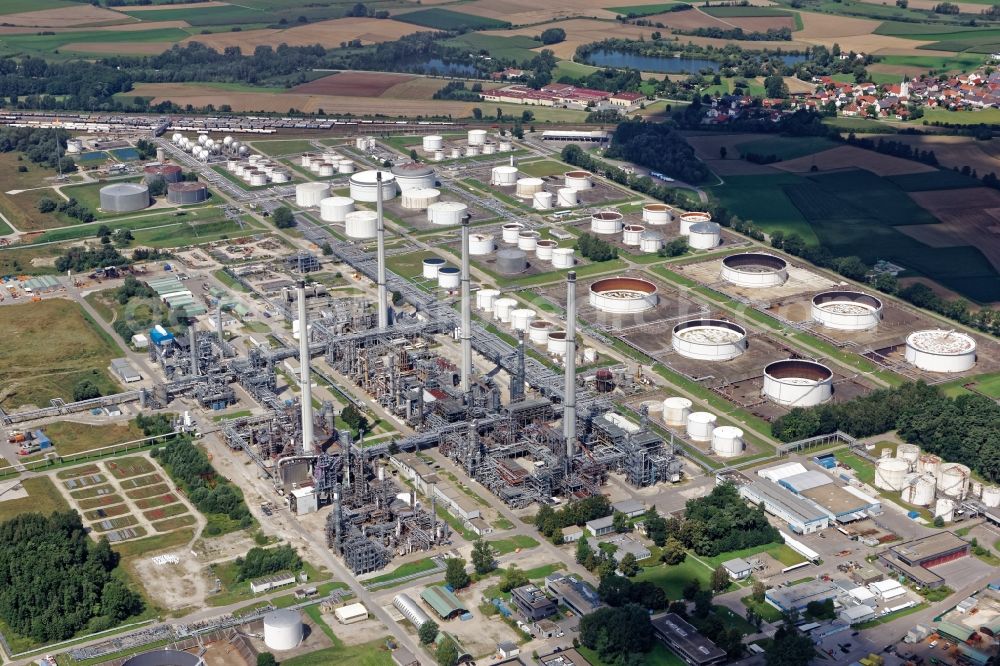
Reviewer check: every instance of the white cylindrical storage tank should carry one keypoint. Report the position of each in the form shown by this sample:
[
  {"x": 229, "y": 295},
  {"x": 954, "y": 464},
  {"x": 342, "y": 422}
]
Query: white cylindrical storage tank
[
  {"x": 241, "y": 169},
  {"x": 511, "y": 231},
  {"x": 562, "y": 257},
  {"x": 929, "y": 463},
  {"x": 632, "y": 234},
  {"x": 727, "y": 441},
  {"x": 705, "y": 236},
  {"x": 489, "y": 149},
  {"x": 74, "y": 145},
  {"x": 651, "y": 242},
  {"x": 991, "y": 496},
  {"x": 527, "y": 240},
  {"x": 578, "y": 180},
  {"x": 589, "y": 355},
  {"x": 505, "y": 146},
  {"x": 325, "y": 170},
  {"x": 485, "y": 298},
  {"x": 521, "y": 318},
  {"x": 231, "y": 165},
  {"x": 361, "y": 224},
  {"x": 502, "y": 308},
  {"x": 847, "y": 310},
  {"x": 944, "y": 509},
  {"x": 566, "y": 196},
  {"x": 676, "y": 410},
  {"x": 700, "y": 426},
  {"x": 919, "y": 490},
  {"x": 754, "y": 269},
  {"x": 656, "y": 214},
  {"x": 310, "y": 194},
  {"x": 471, "y": 151},
  {"x": 538, "y": 331},
  {"x": 606, "y": 222},
  {"x": 258, "y": 178},
  {"x": 503, "y": 176},
  {"x": 481, "y": 244},
  {"x": 477, "y": 137},
  {"x": 335, "y": 209},
  {"x": 363, "y": 186},
  {"x": 345, "y": 166},
  {"x": 432, "y": 142},
  {"x": 798, "y": 383},
  {"x": 709, "y": 339},
  {"x": 256, "y": 158},
  {"x": 890, "y": 474},
  {"x": 975, "y": 489},
  {"x": 910, "y": 453},
  {"x": 431, "y": 266},
  {"x": 690, "y": 219},
  {"x": 446, "y": 212},
  {"x": 438, "y": 155},
  {"x": 455, "y": 153},
  {"x": 544, "y": 248},
  {"x": 419, "y": 199},
  {"x": 941, "y": 350},
  {"x": 526, "y": 187},
  {"x": 623, "y": 295},
  {"x": 541, "y": 200},
  {"x": 330, "y": 156},
  {"x": 557, "y": 342},
  {"x": 414, "y": 176},
  {"x": 449, "y": 277},
  {"x": 953, "y": 481},
  {"x": 280, "y": 176},
  {"x": 283, "y": 630}
]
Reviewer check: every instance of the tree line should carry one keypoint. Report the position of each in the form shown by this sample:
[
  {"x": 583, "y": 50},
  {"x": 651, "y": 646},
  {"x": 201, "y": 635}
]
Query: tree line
[
  {"x": 263, "y": 561},
  {"x": 42, "y": 146},
  {"x": 739, "y": 35},
  {"x": 80, "y": 260},
  {"x": 658, "y": 147}
]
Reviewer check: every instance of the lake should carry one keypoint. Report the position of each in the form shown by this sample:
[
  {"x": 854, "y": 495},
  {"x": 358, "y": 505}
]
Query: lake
[
  {"x": 643, "y": 63},
  {"x": 438, "y": 66}
]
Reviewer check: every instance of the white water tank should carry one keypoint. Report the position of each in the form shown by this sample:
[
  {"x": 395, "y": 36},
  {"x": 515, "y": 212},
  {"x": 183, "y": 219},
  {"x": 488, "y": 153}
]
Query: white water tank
[
  {"x": 562, "y": 257},
  {"x": 481, "y": 244},
  {"x": 527, "y": 240},
  {"x": 503, "y": 176},
  {"x": 455, "y": 153},
  {"x": 446, "y": 212},
  {"x": 910, "y": 453},
  {"x": 656, "y": 214},
  {"x": 502, "y": 308},
  {"x": 345, "y": 166},
  {"x": 485, "y": 298},
  {"x": 701, "y": 425},
  {"x": 471, "y": 151},
  {"x": 632, "y": 234},
  {"x": 505, "y": 146},
  {"x": 449, "y": 277},
  {"x": 361, "y": 224},
  {"x": 991, "y": 496},
  {"x": 438, "y": 155},
  {"x": 526, "y": 187},
  {"x": 490, "y": 149},
  {"x": 335, "y": 209},
  {"x": 541, "y": 200},
  {"x": 944, "y": 508},
  {"x": 74, "y": 145},
  {"x": 606, "y": 222},
  {"x": 953, "y": 481},
  {"x": 521, "y": 318},
  {"x": 688, "y": 220},
  {"x": 918, "y": 490},
  {"x": 364, "y": 186},
  {"x": 414, "y": 176},
  {"x": 651, "y": 242},
  {"x": 727, "y": 441},
  {"x": 283, "y": 630},
  {"x": 705, "y": 236},
  {"x": 308, "y": 195},
  {"x": 557, "y": 342},
  {"x": 578, "y": 180},
  {"x": 433, "y": 142},
  {"x": 511, "y": 231},
  {"x": 477, "y": 137},
  {"x": 431, "y": 266},
  {"x": 420, "y": 198},
  {"x": 676, "y": 410},
  {"x": 326, "y": 170},
  {"x": 258, "y": 179},
  {"x": 281, "y": 176},
  {"x": 538, "y": 331},
  {"x": 890, "y": 474},
  {"x": 566, "y": 196},
  {"x": 544, "y": 248}
]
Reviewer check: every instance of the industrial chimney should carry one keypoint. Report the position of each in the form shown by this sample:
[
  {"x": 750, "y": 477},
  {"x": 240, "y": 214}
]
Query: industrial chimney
[
  {"x": 383, "y": 302},
  {"x": 569, "y": 399},
  {"x": 193, "y": 339},
  {"x": 304, "y": 379},
  {"x": 466, "y": 309}
]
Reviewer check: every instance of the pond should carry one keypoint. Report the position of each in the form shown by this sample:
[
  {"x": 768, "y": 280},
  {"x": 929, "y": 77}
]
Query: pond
[
  {"x": 663, "y": 64},
  {"x": 126, "y": 154},
  {"x": 438, "y": 66},
  {"x": 91, "y": 157}
]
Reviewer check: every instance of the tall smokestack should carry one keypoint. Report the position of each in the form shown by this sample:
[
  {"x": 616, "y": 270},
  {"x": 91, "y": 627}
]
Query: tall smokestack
[
  {"x": 193, "y": 339},
  {"x": 466, "y": 309},
  {"x": 304, "y": 378},
  {"x": 569, "y": 400},
  {"x": 383, "y": 302},
  {"x": 220, "y": 331}
]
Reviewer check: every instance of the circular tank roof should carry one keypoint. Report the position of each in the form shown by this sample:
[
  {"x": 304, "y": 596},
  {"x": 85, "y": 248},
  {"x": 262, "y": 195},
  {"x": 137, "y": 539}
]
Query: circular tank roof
[
  {"x": 607, "y": 215},
  {"x": 705, "y": 228},
  {"x": 798, "y": 369},
  {"x": 578, "y": 174},
  {"x": 623, "y": 284},
  {"x": 656, "y": 207},
  {"x": 369, "y": 177},
  {"x": 710, "y": 331},
  {"x": 942, "y": 342},
  {"x": 755, "y": 262},
  {"x": 189, "y": 186},
  {"x": 123, "y": 189},
  {"x": 846, "y": 302},
  {"x": 411, "y": 170}
]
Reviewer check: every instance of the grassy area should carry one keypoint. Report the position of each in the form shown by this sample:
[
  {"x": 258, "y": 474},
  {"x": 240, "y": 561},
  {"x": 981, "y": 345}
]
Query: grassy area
[
  {"x": 778, "y": 551},
  {"x": 402, "y": 571},
  {"x": 989, "y": 116},
  {"x": 543, "y": 168},
  {"x": 43, "y": 497},
  {"x": 787, "y": 148},
  {"x": 69, "y": 437},
  {"x": 863, "y": 469},
  {"x": 516, "y": 47},
  {"x": 502, "y": 523},
  {"x": 226, "y": 279},
  {"x": 116, "y": 43},
  {"x": 446, "y": 19},
  {"x": 374, "y": 653},
  {"x": 645, "y": 10},
  {"x": 75, "y": 349},
  {"x": 672, "y": 579},
  {"x": 574, "y": 69},
  {"x": 891, "y": 616},
  {"x": 766, "y": 611},
  {"x": 195, "y": 232},
  {"x": 510, "y": 544},
  {"x": 234, "y": 591},
  {"x": 284, "y": 146}
]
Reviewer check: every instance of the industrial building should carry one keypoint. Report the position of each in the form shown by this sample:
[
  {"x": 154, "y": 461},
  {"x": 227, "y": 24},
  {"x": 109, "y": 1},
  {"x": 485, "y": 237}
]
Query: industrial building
[
  {"x": 271, "y": 582},
  {"x": 738, "y": 568},
  {"x": 351, "y": 613},
  {"x": 628, "y": 545},
  {"x": 575, "y": 594},
  {"x": 124, "y": 370},
  {"x": 797, "y": 597},
  {"x": 443, "y": 601},
  {"x": 601, "y": 526},
  {"x": 630, "y": 507},
  {"x": 802, "y": 515},
  {"x": 843, "y": 504},
  {"x": 914, "y": 559},
  {"x": 685, "y": 641},
  {"x": 532, "y": 603}
]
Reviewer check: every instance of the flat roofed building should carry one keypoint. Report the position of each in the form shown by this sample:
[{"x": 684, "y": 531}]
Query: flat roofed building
[
  {"x": 124, "y": 369},
  {"x": 601, "y": 526},
  {"x": 572, "y": 534},
  {"x": 532, "y": 603},
  {"x": 856, "y": 614},
  {"x": 803, "y": 481},
  {"x": 846, "y": 506},
  {"x": 738, "y": 568},
  {"x": 797, "y": 597},
  {"x": 885, "y": 590},
  {"x": 803, "y": 516},
  {"x": 685, "y": 640},
  {"x": 564, "y": 658},
  {"x": 630, "y": 507},
  {"x": 626, "y": 545},
  {"x": 416, "y": 469},
  {"x": 913, "y": 559},
  {"x": 456, "y": 502},
  {"x": 575, "y": 594},
  {"x": 351, "y": 613},
  {"x": 271, "y": 582}
]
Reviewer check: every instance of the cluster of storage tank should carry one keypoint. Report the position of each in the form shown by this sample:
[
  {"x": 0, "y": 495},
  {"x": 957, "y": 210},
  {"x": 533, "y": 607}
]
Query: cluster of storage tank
[
  {"x": 920, "y": 477},
  {"x": 513, "y": 261},
  {"x": 204, "y": 146},
  {"x": 477, "y": 143},
  {"x": 702, "y": 427},
  {"x": 326, "y": 164},
  {"x": 257, "y": 170},
  {"x": 539, "y": 332}
]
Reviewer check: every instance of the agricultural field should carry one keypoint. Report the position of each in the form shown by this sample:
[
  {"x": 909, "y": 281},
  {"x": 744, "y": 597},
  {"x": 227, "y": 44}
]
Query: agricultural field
[
  {"x": 578, "y": 31},
  {"x": 645, "y": 10},
  {"x": 446, "y": 19},
  {"x": 20, "y": 209},
  {"x": 787, "y": 148},
  {"x": 326, "y": 33},
  {"x": 76, "y": 349}
]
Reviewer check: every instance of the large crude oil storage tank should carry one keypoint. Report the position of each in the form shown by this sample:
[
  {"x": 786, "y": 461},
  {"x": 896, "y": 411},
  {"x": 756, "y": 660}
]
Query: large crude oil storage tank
[
  {"x": 918, "y": 489},
  {"x": 420, "y": 198},
  {"x": 940, "y": 350},
  {"x": 503, "y": 176},
  {"x": 538, "y": 331},
  {"x": 557, "y": 342},
  {"x": 502, "y": 307},
  {"x": 562, "y": 257},
  {"x": 676, "y": 410},
  {"x": 544, "y": 248},
  {"x": 164, "y": 658},
  {"x": 623, "y": 295},
  {"x": 541, "y": 200},
  {"x": 283, "y": 629},
  {"x": 704, "y": 236},
  {"x": 632, "y": 234},
  {"x": 477, "y": 137},
  {"x": 526, "y": 187},
  {"x": 485, "y": 298},
  {"x": 606, "y": 222},
  {"x": 512, "y": 262},
  {"x": 651, "y": 242},
  {"x": 754, "y": 269},
  {"x": 798, "y": 383},
  {"x": 335, "y": 209},
  {"x": 432, "y": 142},
  {"x": 527, "y": 240},
  {"x": 578, "y": 180},
  {"x": 656, "y": 214},
  {"x": 124, "y": 197},
  {"x": 953, "y": 480},
  {"x": 414, "y": 176},
  {"x": 308, "y": 195},
  {"x": 567, "y": 196},
  {"x": 449, "y": 277},
  {"x": 890, "y": 474},
  {"x": 446, "y": 212},
  {"x": 361, "y": 224},
  {"x": 511, "y": 231},
  {"x": 688, "y": 220},
  {"x": 709, "y": 339},
  {"x": 480, "y": 244},
  {"x": 846, "y": 310},
  {"x": 169, "y": 173},
  {"x": 364, "y": 186},
  {"x": 187, "y": 193}
]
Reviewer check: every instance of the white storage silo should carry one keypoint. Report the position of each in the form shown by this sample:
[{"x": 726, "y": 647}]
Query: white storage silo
[
  {"x": 419, "y": 199},
  {"x": 538, "y": 331},
  {"x": 510, "y": 232},
  {"x": 541, "y": 200},
  {"x": 910, "y": 453},
  {"x": 481, "y": 244},
  {"x": 991, "y": 496},
  {"x": 335, "y": 209},
  {"x": 656, "y": 214},
  {"x": 489, "y": 149},
  {"x": 308, "y": 195},
  {"x": 676, "y": 410},
  {"x": 283, "y": 630},
  {"x": 432, "y": 142},
  {"x": 520, "y": 318},
  {"x": 953, "y": 481},
  {"x": 944, "y": 508},
  {"x": 543, "y": 249},
  {"x": 503, "y": 176},
  {"x": 705, "y": 236},
  {"x": 361, "y": 224},
  {"x": 258, "y": 179},
  {"x": 562, "y": 257},
  {"x": 701, "y": 425},
  {"x": 505, "y": 145},
  {"x": 502, "y": 308},
  {"x": 606, "y": 222},
  {"x": 651, "y": 242},
  {"x": 471, "y": 151},
  {"x": 578, "y": 180},
  {"x": 325, "y": 170},
  {"x": 688, "y": 220},
  {"x": 74, "y": 146},
  {"x": 431, "y": 266},
  {"x": 890, "y": 474},
  {"x": 557, "y": 342},
  {"x": 485, "y": 298},
  {"x": 526, "y": 187},
  {"x": 632, "y": 234},
  {"x": 345, "y": 166},
  {"x": 281, "y": 176},
  {"x": 727, "y": 441},
  {"x": 449, "y": 277},
  {"x": 455, "y": 153},
  {"x": 928, "y": 463},
  {"x": 919, "y": 490},
  {"x": 566, "y": 196},
  {"x": 446, "y": 212},
  {"x": 438, "y": 155},
  {"x": 477, "y": 137},
  {"x": 527, "y": 240}
]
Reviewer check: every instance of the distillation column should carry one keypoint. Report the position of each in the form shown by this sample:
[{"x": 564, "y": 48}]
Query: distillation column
[{"x": 305, "y": 381}]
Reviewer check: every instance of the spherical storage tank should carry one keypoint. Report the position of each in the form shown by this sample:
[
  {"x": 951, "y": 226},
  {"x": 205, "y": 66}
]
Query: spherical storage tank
[
  {"x": 282, "y": 629},
  {"x": 727, "y": 441},
  {"x": 335, "y": 209},
  {"x": 361, "y": 224},
  {"x": 521, "y": 318},
  {"x": 623, "y": 295},
  {"x": 562, "y": 257},
  {"x": 798, "y": 383},
  {"x": 541, "y": 200},
  {"x": 632, "y": 234},
  {"x": 544, "y": 248},
  {"x": 433, "y": 142},
  {"x": 170, "y": 173},
  {"x": 526, "y": 187},
  {"x": 890, "y": 474},
  {"x": 364, "y": 186},
  {"x": 308, "y": 195},
  {"x": 414, "y": 176},
  {"x": 709, "y": 339},
  {"x": 502, "y": 307},
  {"x": 511, "y": 231},
  {"x": 503, "y": 176},
  {"x": 578, "y": 180},
  {"x": 701, "y": 425},
  {"x": 480, "y": 244},
  {"x": 688, "y": 220},
  {"x": 485, "y": 298},
  {"x": 651, "y": 241},
  {"x": 446, "y": 212},
  {"x": 420, "y": 198},
  {"x": 847, "y": 310},
  {"x": 187, "y": 193},
  {"x": 449, "y": 277},
  {"x": 431, "y": 266},
  {"x": 124, "y": 197},
  {"x": 477, "y": 137},
  {"x": 606, "y": 222},
  {"x": 953, "y": 480},
  {"x": 754, "y": 269},
  {"x": 940, "y": 350},
  {"x": 918, "y": 490},
  {"x": 512, "y": 262},
  {"x": 705, "y": 236},
  {"x": 676, "y": 410},
  {"x": 567, "y": 196},
  {"x": 656, "y": 213}
]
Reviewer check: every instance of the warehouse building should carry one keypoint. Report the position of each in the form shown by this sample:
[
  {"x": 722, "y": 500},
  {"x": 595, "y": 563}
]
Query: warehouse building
[
  {"x": 456, "y": 502},
  {"x": 601, "y": 526},
  {"x": 443, "y": 601},
  {"x": 843, "y": 503},
  {"x": 627, "y": 545},
  {"x": 803, "y": 516},
  {"x": 797, "y": 597},
  {"x": 738, "y": 568},
  {"x": 415, "y": 469},
  {"x": 630, "y": 507},
  {"x": 856, "y": 614},
  {"x": 124, "y": 369},
  {"x": 351, "y": 613},
  {"x": 685, "y": 640},
  {"x": 575, "y": 594},
  {"x": 914, "y": 559}
]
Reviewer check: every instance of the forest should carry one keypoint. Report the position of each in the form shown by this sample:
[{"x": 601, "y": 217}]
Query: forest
[
  {"x": 81, "y": 260},
  {"x": 263, "y": 561},
  {"x": 618, "y": 635},
  {"x": 595, "y": 248},
  {"x": 721, "y": 522},
  {"x": 41, "y": 146},
  {"x": 56, "y": 581},
  {"x": 964, "y": 430},
  {"x": 659, "y": 147},
  {"x": 548, "y": 520}
]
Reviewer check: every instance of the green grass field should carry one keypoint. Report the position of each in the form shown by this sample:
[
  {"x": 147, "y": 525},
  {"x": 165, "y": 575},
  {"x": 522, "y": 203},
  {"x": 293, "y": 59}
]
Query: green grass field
[
  {"x": 284, "y": 146},
  {"x": 402, "y": 571},
  {"x": 749, "y": 11},
  {"x": 543, "y": 168},
  {"x": 778, "y": 551},
  {"x": 43, "y": 497},
  {"x": 929, "y": 62},
  {"x": 446, "y": 19},
  {"x": 988, "y": 116},
  {"x": 672, "y": 579},
  {"x": 758, "y": 198},
  {"x": 47, "y": 44},
  {"x": 69, "y": 437},
  {"x": 510, "y": 544},
  {"x": 18, "y": 6},
  {"x": 366, "y": 654},
  {"x": 787, "y": 148},
  {"x": 645, "y": 10},
  {"x": 943, "y": 179},
  {"x": 516, "y": 47},
  {"x": 575, "y": 69}
]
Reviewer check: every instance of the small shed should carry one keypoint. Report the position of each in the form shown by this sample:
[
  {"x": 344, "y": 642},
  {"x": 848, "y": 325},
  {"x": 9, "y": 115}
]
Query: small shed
[
  {"x": 737, "y": 568},
  {"x": 508, "y": 649},
  {"x": 351, "y": 613}
]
